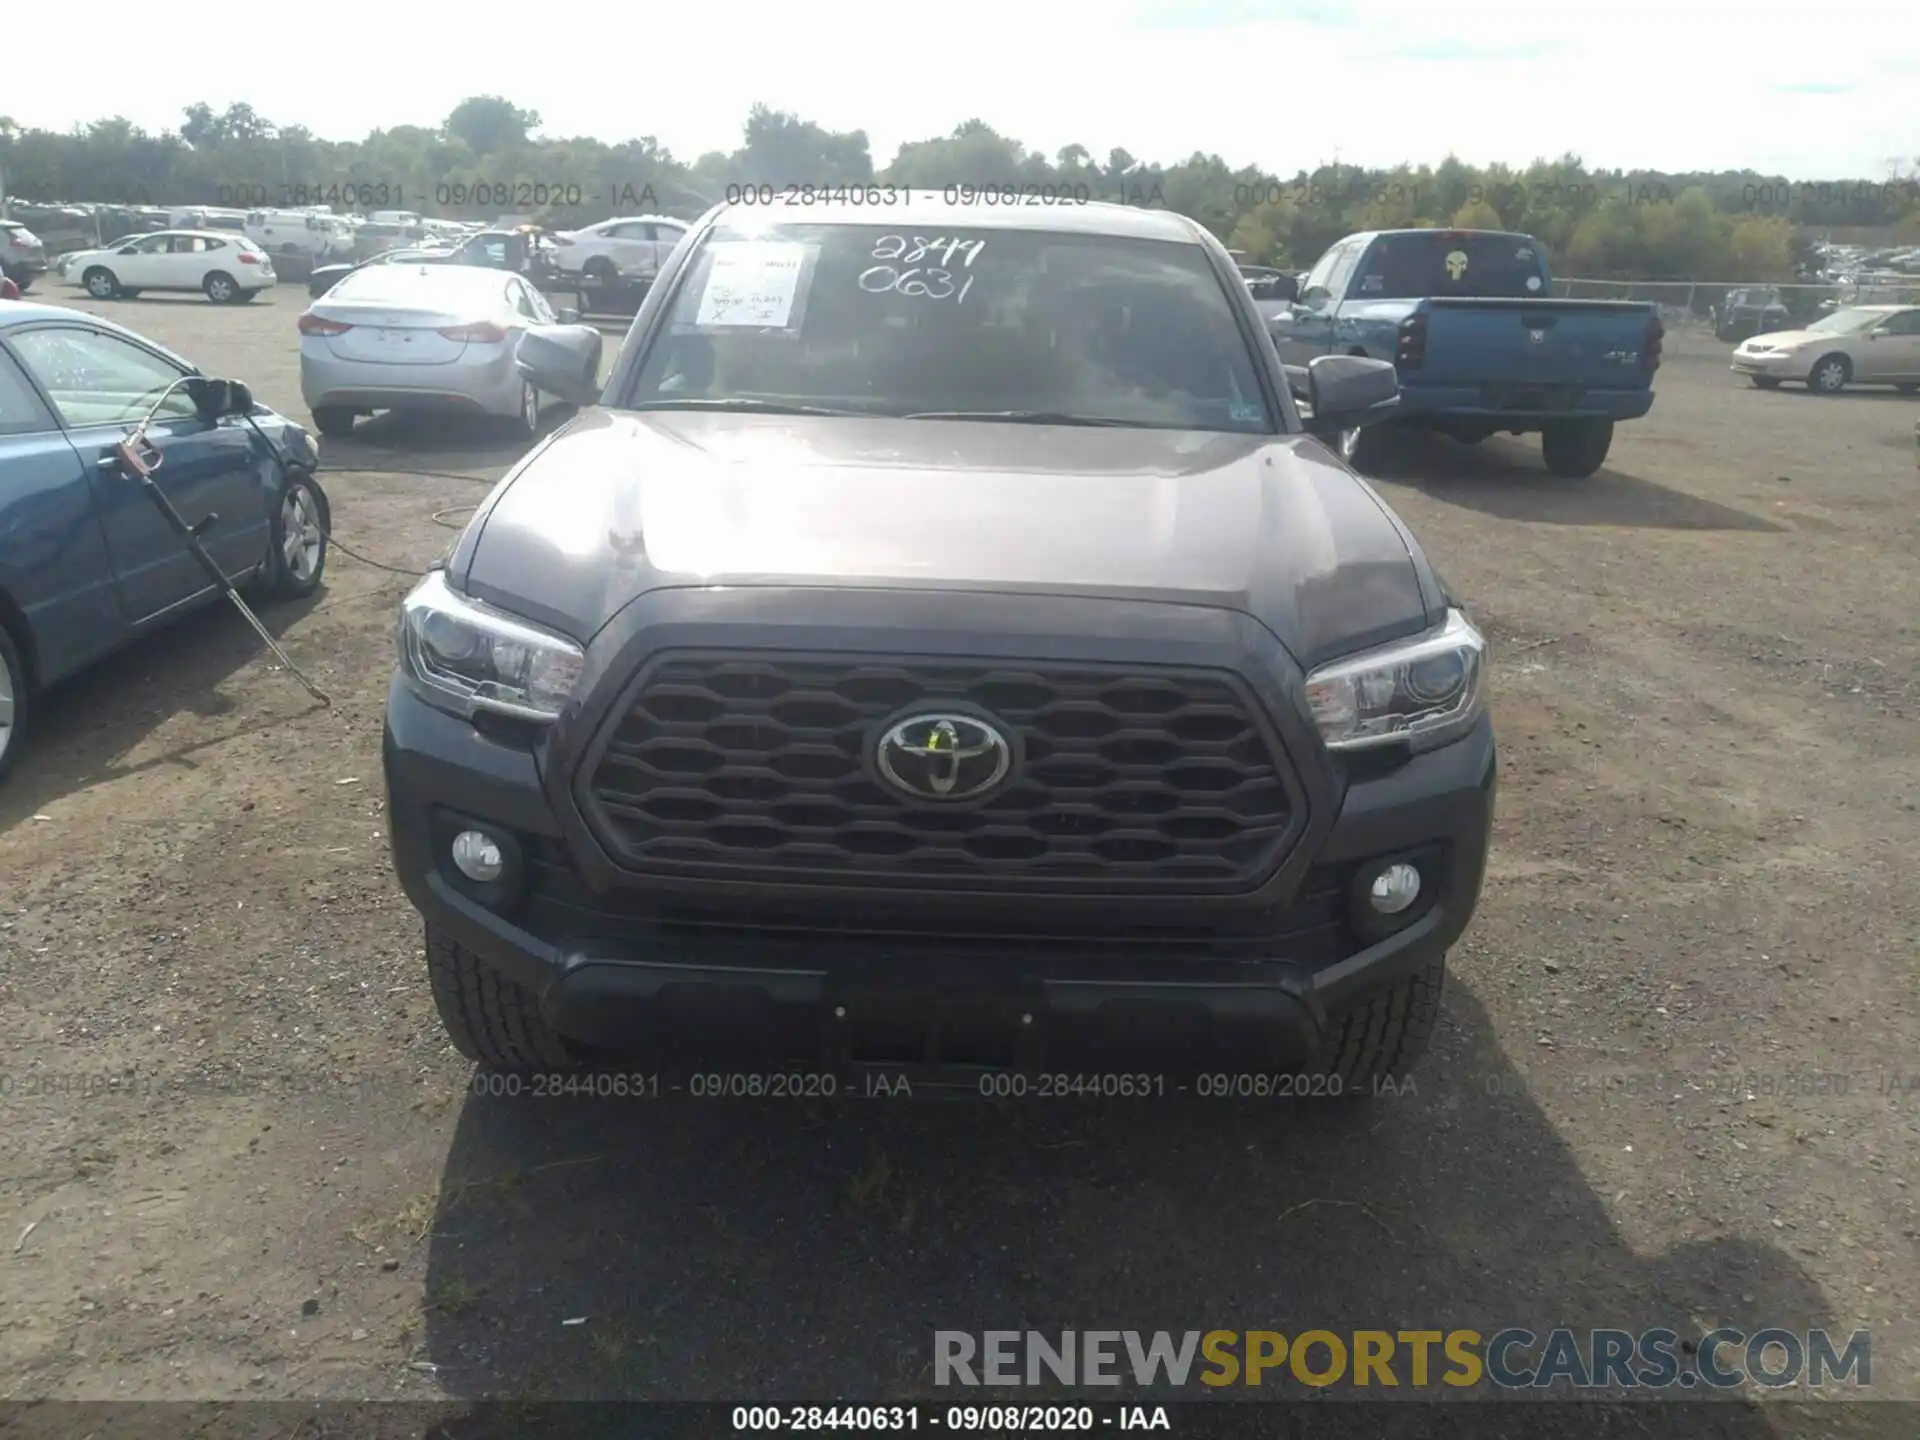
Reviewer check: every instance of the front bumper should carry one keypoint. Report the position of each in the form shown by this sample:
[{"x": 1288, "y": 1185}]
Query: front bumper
[
  {"x": 672, "y": 966},
  {"x": 1783, "y": 365}
]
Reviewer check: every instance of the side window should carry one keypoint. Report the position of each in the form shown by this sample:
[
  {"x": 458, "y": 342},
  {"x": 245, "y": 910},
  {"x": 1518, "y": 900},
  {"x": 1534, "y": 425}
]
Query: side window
[
  {"x": 188, "y": 244},
  {"x": 99, "y": 379},
  {"x": 154, "y": 245},
  {"x": 1344, "y": 264},
  {"x": 212, "y": 242},
  {"x": 1322, "y": 272},
  {"x": 1905, "y": 323},
  {"x": 631, "y": 230},
  {"x": 21, "y": 412},
  {"x": 669, "y": 233}
]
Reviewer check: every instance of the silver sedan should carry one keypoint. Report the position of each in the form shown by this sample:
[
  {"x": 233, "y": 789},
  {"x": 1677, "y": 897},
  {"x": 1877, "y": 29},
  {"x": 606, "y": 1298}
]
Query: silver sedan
[{"x": 421, "y": 338}]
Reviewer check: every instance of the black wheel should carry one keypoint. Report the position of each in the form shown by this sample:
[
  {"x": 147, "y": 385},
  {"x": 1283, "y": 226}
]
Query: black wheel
[
  {"x": 490, "y": 1019},
  {"x": 1907, "y": 388},
  {"x": 245, "y": 297},
  {"x": 1764, "y": 382},
  {"x": 601, "y": 271},
  {"x": 220, "y": 287},
  {"x": 126, "y": 294},
  {"x": 13, "y": 701},
  {"x": 22, "y": 281},
  {"x": 100, "y": 283},
  {"x": 333, "y": 422},
  {"x": 296, "y": 540},
  {"x": 1829, "y": 375},
  {"x": 1369, "y": 447},
  {"x": 1574, "y": 449},
  {"x": 1381, "y": 1039}
]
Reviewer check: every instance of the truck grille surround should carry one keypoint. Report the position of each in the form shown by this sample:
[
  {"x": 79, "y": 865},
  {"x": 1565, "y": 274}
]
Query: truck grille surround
[{"x": 1131, "y": 779}]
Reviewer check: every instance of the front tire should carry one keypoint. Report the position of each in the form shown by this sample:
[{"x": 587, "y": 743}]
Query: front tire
[
  {"x": 1764, "y": 382},
  {"x": 297, "y": 540},
  {"x": 1829, "y": 375},
  {"x": 333, "y": 422},
  {"x": 13, "y": 702},
  {"x": 101, "y": 283},
  {"x": 489, "y": 1019},
  {"x": 220, "y": 287},
  {"x": 1380, "y": 1040},
  {"x": 1574, "y": 449}
]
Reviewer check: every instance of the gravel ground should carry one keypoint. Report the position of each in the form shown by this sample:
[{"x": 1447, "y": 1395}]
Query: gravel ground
[{"x": 1669, "y": 1086}]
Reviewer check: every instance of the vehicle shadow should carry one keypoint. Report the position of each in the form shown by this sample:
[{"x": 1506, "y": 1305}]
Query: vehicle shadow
[
  {"x": 678, "y": 1249},
  {"x": 82, "y": 727},
  {"x": 1503, "y": 477}
]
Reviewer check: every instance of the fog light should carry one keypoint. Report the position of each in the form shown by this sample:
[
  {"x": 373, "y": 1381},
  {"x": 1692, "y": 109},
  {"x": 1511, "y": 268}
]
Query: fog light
[
  {"x": 1395, "y": 888},
  {"x": 477, "y": 854}
]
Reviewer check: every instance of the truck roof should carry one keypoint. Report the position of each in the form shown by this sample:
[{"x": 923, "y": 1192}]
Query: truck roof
[{"x": 927, "y": 207}]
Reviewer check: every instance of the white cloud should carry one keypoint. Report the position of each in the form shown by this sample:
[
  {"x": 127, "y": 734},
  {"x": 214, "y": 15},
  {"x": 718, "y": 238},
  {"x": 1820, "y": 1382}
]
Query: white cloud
[{"x": 1631, "y": 84}]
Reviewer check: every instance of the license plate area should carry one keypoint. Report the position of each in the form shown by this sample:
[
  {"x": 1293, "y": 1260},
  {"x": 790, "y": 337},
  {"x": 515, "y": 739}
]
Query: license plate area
[{"x": 932, "y": 1029}]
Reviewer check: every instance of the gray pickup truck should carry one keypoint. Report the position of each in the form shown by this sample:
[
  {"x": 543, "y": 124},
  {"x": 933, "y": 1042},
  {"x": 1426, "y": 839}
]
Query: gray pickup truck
[{"x": 943, "y": 642}]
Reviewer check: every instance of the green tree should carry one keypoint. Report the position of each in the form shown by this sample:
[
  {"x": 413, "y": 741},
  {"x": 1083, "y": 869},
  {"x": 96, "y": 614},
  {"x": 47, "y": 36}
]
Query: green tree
[{"x": 489, "y": 124}]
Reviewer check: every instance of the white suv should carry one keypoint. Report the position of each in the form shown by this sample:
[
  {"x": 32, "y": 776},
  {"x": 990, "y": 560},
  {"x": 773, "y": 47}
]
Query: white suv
[
  {"x": 225, "y": 268},
  {"x": 619, "y": 250}
]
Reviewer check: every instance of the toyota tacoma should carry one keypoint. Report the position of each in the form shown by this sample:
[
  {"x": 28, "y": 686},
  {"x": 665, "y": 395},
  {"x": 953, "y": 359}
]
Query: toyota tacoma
[{"x": 943, "y": 639}]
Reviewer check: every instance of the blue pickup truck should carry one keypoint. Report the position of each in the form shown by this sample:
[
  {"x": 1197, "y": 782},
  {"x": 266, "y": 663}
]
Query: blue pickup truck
[{"x": 1465, "y": 317}]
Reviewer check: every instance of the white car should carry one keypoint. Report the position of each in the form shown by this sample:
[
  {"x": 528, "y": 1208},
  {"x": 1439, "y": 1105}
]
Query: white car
[
  {"x": 619, "y": 250},
  {"x": 1861, "y": 345},
  {"x": 421, "y": 338},
  {"x": 226, "y": 268}
]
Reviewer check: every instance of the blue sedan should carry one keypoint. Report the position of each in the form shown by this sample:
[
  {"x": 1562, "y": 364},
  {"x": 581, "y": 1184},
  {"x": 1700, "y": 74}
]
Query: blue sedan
[{"x": 87, "y": 561}]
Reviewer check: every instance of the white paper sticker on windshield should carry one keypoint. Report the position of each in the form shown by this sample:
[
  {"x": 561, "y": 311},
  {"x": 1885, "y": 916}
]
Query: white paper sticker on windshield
[
  {"x": 1533, "y": 282},
  {"x": 751, "y": 284}
]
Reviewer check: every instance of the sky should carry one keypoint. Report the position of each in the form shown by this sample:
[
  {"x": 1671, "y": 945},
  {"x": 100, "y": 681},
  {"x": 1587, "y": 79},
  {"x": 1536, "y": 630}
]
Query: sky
[{"x": 1285, "y": 84}]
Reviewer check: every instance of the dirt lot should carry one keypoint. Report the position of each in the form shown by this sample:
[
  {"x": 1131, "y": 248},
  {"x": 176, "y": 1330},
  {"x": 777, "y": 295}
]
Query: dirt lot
[{"x": 1667, "y": 1088}]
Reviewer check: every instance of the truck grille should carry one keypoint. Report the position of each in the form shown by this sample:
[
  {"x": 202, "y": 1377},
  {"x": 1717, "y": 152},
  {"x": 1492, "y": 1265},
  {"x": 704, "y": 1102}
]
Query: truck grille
[{"x": 1140, "y": 777}]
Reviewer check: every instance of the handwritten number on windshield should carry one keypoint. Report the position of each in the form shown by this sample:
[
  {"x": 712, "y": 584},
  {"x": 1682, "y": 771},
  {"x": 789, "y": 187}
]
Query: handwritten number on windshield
[
  {"x": 916, "y": 283},
  {"x": 934, "y": 281}
]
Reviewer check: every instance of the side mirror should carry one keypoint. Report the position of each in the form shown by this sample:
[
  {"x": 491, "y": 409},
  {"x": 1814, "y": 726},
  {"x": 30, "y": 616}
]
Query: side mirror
[
  {"x": 567, "y": 315},
  {"x": 1346, "y": 392},
  {"x": 215, "y": 399},
  {"x": 562, "y": 360},
  {"x": 1315, "y": 297}
]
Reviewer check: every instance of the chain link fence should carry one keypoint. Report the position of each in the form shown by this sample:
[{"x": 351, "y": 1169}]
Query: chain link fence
[{"x": 1699, "y": 302}]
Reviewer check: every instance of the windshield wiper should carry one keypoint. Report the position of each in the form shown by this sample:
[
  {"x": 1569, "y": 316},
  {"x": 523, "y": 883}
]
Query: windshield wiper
[
  {"x": 1019, "y": 417},
  {"x": 755, "y": 407}
]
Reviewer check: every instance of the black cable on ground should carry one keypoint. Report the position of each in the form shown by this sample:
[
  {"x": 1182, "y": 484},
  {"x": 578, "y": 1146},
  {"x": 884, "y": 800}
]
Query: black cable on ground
[{"x": 436, "y": 516}]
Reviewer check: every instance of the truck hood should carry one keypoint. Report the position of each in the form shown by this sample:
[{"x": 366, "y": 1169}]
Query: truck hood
[{"x": 617, "y": 504}]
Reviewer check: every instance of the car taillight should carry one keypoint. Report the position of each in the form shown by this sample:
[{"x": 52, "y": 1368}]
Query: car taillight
[
  {"x": 311, "y": 324},
  {"x": 485, "y": 333},
  {"x": 1651, "y": 347},
  {"x": 246, "y": 259},
  {"x": 1411, "y": 348}
]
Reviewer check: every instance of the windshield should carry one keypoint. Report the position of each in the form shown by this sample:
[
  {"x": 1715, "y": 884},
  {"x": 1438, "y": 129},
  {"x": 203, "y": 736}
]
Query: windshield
[
  {"x": 1000, "y": 324},
  {"x": 1847, "y": 322},
  {"x": 1418, "y": 264}
]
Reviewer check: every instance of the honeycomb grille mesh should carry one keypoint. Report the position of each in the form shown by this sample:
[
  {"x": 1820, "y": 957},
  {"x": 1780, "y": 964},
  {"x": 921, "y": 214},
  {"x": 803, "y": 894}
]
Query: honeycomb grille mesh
[{"x": 1135, "y": 774}]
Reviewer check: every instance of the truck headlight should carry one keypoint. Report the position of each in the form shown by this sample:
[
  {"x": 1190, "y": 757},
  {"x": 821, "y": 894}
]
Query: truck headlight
[
  {"x": 1422, "y": 692},
  {"x": 464, "y": 655}
]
